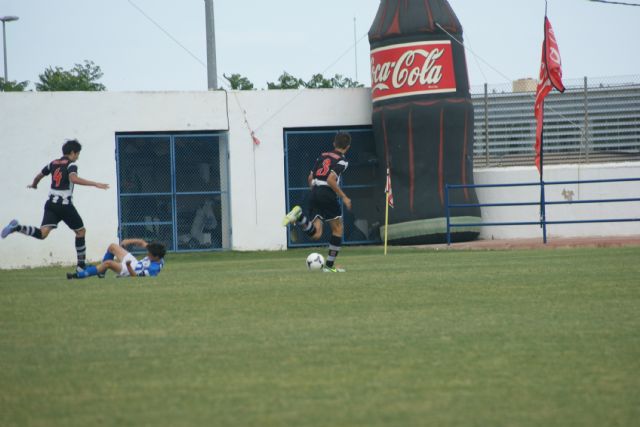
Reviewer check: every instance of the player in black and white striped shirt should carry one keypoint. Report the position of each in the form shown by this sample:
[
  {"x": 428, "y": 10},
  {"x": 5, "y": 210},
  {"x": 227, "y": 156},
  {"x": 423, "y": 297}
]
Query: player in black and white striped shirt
[
  {"x": 324, "y": 183},
  {"x": 59, "y": 206}
]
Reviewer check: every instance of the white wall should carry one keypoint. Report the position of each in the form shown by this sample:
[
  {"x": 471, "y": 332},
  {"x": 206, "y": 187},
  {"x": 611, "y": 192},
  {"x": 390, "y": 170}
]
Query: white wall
[
  {"x": 577, "y": 192},
  {"x": 258, "y": 198},
  {"x": 33, "y": 126}
]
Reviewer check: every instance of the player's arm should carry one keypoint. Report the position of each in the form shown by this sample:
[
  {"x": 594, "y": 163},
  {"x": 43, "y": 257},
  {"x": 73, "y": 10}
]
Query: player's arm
[
  {"x": 36, "y": 180},
  {"x": 81, "y": 181},
  {"x": 134, "y": 242},
  {"x": 130, "y": 269},
  {"x": 332, "y": 180},
  {"x": 310, "y": 179}
]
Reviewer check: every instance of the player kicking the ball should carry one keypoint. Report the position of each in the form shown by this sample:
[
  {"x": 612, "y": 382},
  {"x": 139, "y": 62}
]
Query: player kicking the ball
[
  {"x": 59, "y": 206},
  {"x": 323, "y": 203},
  {"x": 121, "y": 262}
]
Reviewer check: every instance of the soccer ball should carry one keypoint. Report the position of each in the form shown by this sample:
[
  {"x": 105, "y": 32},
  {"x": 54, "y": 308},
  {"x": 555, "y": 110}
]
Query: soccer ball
[{"x": 315, "y": 261}]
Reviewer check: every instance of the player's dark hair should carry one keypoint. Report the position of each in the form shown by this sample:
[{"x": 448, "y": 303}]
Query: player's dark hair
[
  {"x": 157, "y": 249},
  {"x": 71, "y": 146},
  {"x": 342, "y": 140}
]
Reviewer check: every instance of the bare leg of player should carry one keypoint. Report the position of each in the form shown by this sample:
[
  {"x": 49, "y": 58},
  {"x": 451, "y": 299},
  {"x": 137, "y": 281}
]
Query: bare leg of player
[
  {"x": 118, "y": 251},
  {"x": 318, "y": 227}
]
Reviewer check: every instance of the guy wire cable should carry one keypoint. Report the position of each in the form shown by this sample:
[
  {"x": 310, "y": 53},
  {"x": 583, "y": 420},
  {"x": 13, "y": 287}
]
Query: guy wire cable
[
  {"x": 615, "y": 2},
  {"x": 568, "y": 120}
]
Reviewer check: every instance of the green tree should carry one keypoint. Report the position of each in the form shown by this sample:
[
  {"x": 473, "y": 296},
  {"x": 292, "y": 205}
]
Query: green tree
[
  {"x": 318, "y": 82},
  {"x": 340, "y": 81},
  {"x": 238, "y": 82},
  {"x": 12, "y": 86},
  {"x": 286, "y": 81},
  {"x": 82, "y": 77}
]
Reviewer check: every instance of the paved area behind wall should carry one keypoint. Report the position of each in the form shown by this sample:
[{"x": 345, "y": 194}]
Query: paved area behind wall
[{"x": 552, "y": 243}]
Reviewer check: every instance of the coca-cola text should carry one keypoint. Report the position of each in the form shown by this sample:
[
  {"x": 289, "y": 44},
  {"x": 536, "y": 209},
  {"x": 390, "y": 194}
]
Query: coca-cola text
[{"x": 412, "y": 69}]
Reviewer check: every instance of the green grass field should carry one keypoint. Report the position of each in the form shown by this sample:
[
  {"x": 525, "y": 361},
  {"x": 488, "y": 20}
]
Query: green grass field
[{"x": 416, "y": 338}]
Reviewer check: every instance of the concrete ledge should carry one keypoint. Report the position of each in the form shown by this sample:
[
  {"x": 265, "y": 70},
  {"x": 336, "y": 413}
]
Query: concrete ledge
[{"x": 432, "y": 230}]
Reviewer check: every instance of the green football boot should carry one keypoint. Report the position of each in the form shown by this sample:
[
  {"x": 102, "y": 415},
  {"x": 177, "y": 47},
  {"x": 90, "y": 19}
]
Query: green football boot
[{"x": 293, "y": 216}]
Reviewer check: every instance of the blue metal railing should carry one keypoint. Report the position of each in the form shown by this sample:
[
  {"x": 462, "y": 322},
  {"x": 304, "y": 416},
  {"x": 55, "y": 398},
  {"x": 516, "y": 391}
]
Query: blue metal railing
[{"x": 542, "y": 203}]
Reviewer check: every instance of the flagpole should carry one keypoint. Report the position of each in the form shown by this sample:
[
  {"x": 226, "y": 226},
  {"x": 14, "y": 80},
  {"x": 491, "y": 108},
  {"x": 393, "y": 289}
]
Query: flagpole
[
  {"x": 386, "y": 221},
  {"x": 550, "y": 78},
  {"x": 543, "y": 210}
]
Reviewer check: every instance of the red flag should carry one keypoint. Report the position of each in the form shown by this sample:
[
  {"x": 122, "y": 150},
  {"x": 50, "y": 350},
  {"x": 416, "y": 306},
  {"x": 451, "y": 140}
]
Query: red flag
[
  {"x": 387, "y": 188},
  {"x": 255, "y": 139},
  {"x": 550, "y": 77}
]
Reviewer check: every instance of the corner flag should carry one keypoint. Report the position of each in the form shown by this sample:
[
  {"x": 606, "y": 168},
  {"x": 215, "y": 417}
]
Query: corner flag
[
  {"x": 387, "y": 189},
  {"x": 389, "y": 202}
]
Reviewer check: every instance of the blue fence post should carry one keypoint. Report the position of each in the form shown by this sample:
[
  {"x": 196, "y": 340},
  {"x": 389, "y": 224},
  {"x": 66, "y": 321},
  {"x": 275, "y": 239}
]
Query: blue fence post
[
  {"x": 543, "y": 212},
  {"x": 446, "y": 198},
  {"x": 174, "y": 197}
]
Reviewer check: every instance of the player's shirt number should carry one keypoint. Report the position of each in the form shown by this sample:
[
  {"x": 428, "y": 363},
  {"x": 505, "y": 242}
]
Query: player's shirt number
[
  {"x": 57, "y": 177},
  {"x": 326, "y": 167}
]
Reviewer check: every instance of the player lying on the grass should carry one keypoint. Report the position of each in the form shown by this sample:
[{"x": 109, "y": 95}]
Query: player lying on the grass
[{"x": 124, "y": 264}]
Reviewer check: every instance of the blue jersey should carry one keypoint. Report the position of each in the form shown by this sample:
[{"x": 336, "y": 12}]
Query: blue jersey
[{"x": 147, "y": 267}]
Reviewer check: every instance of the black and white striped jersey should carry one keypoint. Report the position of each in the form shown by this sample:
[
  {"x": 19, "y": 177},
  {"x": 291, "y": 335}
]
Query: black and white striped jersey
[
  {"x": 61, "y": 187},
  {"x": 327, "y": 163}
]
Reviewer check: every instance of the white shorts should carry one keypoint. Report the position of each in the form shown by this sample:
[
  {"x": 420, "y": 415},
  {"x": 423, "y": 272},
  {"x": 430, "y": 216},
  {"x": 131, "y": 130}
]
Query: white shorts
[{"x": 124, "y": 272}]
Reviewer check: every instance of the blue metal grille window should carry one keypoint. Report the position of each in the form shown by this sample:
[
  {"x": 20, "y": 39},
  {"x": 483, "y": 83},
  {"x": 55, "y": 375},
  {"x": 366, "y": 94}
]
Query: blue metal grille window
[
  {"x": 174, "y": 189},
  {"x": 360, "y": 182}
]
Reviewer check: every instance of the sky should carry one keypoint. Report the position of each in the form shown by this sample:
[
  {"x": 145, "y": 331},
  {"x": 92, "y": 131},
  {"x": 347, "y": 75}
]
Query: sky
[{"x": 261, "y": 39}]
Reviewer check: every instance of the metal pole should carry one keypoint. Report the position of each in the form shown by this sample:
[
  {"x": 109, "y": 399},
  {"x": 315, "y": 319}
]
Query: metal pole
[
  {"x": 586, "y": 119},
  {"x": 486, "y": 125},
  {"x": 4, "y": 49},
  {"x": 543, "y": 209},
  {"x": 4, "y": 20},
  {"x": 446, "y": 197},
  {"x": 212, "y": 72}
]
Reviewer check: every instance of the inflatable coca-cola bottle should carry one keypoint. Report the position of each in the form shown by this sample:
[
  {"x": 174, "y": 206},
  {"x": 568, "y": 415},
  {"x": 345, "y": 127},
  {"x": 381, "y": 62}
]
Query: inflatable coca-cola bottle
[{"x": 422, "y": 118}]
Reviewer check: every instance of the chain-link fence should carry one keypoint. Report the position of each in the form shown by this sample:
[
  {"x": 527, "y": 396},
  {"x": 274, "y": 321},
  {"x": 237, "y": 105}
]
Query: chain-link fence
[
  {"x": 174, "y": 189},
  {"x": 594, "y": 120},
  {"x": 359, "y": 182}
]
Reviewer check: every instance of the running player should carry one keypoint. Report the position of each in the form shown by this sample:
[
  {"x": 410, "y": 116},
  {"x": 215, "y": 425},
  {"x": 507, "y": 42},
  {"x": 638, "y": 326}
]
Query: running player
[
  {"x": 121, "y": 262},
  {"x": 323, "y": 203},
  {"x": 59, "y": 206}
]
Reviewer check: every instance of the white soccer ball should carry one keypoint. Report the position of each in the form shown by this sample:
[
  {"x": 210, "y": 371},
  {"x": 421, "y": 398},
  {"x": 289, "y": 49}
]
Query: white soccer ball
[{"x": 315, "y": 261}]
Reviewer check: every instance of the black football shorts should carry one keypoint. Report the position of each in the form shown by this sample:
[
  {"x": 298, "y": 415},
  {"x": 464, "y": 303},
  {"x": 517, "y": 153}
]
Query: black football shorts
[
  {"x": 324, "y": 204},
  {"x": 56, "y": 212}
]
